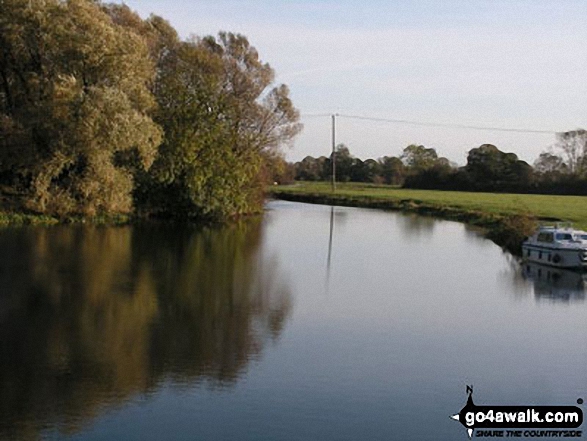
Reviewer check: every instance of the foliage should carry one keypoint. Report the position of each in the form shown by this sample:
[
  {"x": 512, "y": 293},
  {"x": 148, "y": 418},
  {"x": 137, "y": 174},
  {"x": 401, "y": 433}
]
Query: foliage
[
  {"x": 393, "y": 170},
  {"x": 487, "y": 169},
  {"x": 388, "y": 169},
  {"x": 563, "y": 169},
  {"x": 441, "y": 175},
  {"x": 74, "y": 99},
  {"x": 549, "y": 162},
  {"x": 490, "y": 169},
  {"x": 312, "y": 169},
  {"x": 418, "y": 158},
  {"x": 276, "y": 170},
  {"x": 221, "y": 125},
  {"x": 350, "y": 168},
  {"x": 98, "y": 105}
]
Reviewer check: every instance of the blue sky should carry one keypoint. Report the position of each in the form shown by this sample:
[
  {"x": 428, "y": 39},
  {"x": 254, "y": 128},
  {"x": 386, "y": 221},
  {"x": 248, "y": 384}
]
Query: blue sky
[{"x": 512, "y": 64}]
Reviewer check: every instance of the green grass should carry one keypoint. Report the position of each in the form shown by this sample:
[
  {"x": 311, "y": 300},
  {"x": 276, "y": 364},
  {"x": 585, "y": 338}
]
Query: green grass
[
  {"x": 18, "y": 219},
  {"x": 9, "y": 218},
  {"x": 540, "y": 207}
]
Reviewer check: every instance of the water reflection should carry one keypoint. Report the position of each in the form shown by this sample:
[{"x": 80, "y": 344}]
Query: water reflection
[
  {"x": 556, "y": 284},
  {"x": 338, "y": 219},
  {"x": 416, "y": 226},
  {"x": 92, "y": 316},
  {"x": 330, "y": 245}
]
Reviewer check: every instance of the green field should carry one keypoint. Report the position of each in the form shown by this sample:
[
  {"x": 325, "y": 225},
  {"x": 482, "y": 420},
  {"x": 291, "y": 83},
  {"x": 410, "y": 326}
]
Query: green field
[{"x": 540, "y": 207}]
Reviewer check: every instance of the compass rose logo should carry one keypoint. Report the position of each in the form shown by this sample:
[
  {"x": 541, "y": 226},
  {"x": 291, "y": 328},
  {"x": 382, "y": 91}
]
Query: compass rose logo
[{"x": 469, "y": 407}]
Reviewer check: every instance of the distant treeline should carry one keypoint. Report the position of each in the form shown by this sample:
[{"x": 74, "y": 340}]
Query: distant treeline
[
  {"x": 562, "y": 170},
  {"x": 103, "y": 112}
]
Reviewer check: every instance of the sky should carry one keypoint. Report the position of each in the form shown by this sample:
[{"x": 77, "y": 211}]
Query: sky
[{"x": 518, "y": 64}]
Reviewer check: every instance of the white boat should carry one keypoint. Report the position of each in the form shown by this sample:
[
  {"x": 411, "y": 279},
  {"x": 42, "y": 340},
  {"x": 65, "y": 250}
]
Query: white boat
[{"x": 559, "y": 246}]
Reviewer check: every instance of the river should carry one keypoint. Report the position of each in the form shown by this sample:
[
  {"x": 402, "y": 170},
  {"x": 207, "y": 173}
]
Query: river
[{"x": 309, "y": 323}]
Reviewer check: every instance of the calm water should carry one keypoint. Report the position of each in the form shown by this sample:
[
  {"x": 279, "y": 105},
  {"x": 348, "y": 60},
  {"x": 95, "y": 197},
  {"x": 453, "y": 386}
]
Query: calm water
[{"x": 309, "y": 324}]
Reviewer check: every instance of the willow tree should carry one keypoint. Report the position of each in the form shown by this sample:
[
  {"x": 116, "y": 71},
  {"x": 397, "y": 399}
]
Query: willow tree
[
  {"x": 74, "y": 106},
  {"x": 222, "y": 121}
]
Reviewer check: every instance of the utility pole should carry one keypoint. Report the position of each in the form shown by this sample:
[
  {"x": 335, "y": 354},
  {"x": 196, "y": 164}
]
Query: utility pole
[{"x": 333, "y": 156}]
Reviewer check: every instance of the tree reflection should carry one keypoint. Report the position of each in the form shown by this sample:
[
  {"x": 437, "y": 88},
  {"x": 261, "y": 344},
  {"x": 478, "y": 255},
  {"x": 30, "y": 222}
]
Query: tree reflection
[
  {"x": 92, "y": 316},
  {"x": 416, "y": 226}
]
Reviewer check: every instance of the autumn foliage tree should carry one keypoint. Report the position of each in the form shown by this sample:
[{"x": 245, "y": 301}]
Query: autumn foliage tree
[
  {"x": 100, "y": 109},
  {"x": 74, "y": 100},
  {"x": 223, "y": 122}
]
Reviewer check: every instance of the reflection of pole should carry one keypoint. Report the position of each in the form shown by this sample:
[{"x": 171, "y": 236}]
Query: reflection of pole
[
  {"x": 330, "y": 243},
  {"x": 333, "y": 156}
]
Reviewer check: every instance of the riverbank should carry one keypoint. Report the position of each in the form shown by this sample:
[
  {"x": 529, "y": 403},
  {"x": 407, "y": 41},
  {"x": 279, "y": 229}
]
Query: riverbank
[
  {"x": 14, "y": 213},
  {"x": 8, "y": 218},
  {"x": 507, "y": 218}
]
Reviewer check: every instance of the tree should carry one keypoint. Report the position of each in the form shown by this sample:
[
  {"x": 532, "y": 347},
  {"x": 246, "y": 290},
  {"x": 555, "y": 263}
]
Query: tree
[
  {"x": 573, "y": 144},
  {"x": 392, "y": 170},
  {"x": 372, "y": 171},
  {"x": 548, "y": 162},
  {"x": 344, "y": 163},
  {"x": 276, "y": 170},
  {"x": 86, "y": 89},
  {"x": 74, "y": 106},
  {"x": 221, "y": 123},
  {"x": 490, "y": 169},
  {"x": 262, "y": 118},
  {"x": 309, "y": 169},
  {"x": 418, "y": 157}
]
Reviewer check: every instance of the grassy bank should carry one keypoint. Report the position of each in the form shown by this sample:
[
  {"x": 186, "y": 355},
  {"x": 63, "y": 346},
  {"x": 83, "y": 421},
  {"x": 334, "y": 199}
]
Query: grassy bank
[
  {"x": 9, "y": 218},
  {"x": 13, "y": 212},
  {"x": 508, "y": 218}
]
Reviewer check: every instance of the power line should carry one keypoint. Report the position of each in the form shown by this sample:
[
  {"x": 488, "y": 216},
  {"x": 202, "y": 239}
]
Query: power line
[
  {"x": 316, "y": 115},
  {"x": 448, "y": 125},
  {"x": 432, "y": 124}
]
